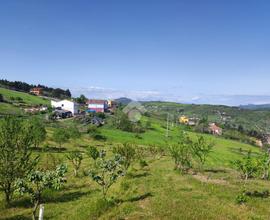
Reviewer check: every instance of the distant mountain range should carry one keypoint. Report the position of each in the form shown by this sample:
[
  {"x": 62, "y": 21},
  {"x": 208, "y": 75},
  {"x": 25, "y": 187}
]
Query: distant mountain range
[
  {"x": 123, "y": 100},
  {"x": 255, "y": 107}
]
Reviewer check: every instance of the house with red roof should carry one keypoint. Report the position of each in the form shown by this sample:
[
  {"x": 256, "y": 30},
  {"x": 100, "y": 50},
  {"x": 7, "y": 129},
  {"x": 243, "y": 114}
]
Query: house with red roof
[{"x": 214, "y": 129}]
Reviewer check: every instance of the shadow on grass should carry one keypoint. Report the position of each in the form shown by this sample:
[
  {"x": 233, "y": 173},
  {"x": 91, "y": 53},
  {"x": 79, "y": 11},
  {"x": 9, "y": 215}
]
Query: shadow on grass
[
  {"x": 256, "y": 194},
  {"x": 17, "y": 217},
  {"x": 140, "y": 197},
  {"x": 215, "y": 171},
  {"x": 67, "y": 197},
  {"x": 135, "y": 198},
  {"x": 137, "y": 175},
  {"x": 52, "y": 196},
  {"x": 241, "y": 151},
  {"x": 49, "y": 149}
]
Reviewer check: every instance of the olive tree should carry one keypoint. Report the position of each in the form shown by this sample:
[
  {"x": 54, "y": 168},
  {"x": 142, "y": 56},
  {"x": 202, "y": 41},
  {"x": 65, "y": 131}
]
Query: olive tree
[
  {"x": 37, "y": 181},
  {"x": 15, "y": 153}
]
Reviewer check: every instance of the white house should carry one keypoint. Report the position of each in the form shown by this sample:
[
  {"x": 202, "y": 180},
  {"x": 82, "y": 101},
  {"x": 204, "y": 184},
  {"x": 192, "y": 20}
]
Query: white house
[{"x": 67, "y": 105}]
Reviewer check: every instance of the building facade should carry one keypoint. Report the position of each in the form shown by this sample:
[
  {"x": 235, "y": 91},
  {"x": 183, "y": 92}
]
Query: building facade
[
  {"x": 97, "y": 105},
  {"x": 36, "y": 91},
  {"x": 66, "y": 105}
]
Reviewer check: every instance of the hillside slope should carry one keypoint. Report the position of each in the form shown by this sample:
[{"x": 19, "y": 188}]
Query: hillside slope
[
  {"x": 235, "y": 116},
  {"x": 15, "y": 101},
  {"x": 154, "y": 192}
]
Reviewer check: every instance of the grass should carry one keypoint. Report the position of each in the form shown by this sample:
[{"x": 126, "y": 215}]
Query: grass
[
  {"x": 14, "y": 106},
  {"x": 155, "y": 192},
  {"x": 27, "y": 98},
  {"x": 6, "y": 108}
]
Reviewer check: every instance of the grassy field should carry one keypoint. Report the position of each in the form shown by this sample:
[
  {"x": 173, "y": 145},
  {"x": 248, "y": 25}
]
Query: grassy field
[
  {"x": 14, "y": 106},
  {"x": 154, "y": 192},
  {"x": 27, "y": 98}
]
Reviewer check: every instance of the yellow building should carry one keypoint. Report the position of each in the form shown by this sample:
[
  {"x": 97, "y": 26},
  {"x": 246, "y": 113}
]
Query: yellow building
[{"x": 183, "y": 120}]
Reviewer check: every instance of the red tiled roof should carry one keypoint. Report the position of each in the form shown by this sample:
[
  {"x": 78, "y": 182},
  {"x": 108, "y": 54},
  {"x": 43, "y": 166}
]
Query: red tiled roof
[
  {"x": 96, "y": 101},
  {"x": 214, "y": 127},
  {"x": 36, "y": 89}
]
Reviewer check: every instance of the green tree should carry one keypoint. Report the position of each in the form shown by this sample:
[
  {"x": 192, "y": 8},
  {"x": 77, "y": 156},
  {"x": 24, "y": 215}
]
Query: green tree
[
  {"x": 76, "y": 159},
  {"x": 39, "y": 131},
  {"x": 201, "y": 149},
  {"x": 61, "y": 136},
  {"x": 107, "y": 171},
  {"x": 247, "y": 166},
  {"x": 37, "y": 181},
  {"x": 15, "y": 153},
  {"x": 182, "y": 154},
  {"x": 82, "y": 99},
  {"x": 128, "y": 153},
  {"x": 264, "y": 165},
  {"x": 74, "y": 132},
  {"x": 93, "y": 153}
]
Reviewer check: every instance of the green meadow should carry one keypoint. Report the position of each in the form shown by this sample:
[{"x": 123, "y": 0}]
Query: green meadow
[{"x": 156, "y": 191}]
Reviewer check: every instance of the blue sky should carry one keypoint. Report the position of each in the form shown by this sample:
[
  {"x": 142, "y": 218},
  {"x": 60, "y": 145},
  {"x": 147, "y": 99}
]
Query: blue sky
[{"x": 188, "y": 51}]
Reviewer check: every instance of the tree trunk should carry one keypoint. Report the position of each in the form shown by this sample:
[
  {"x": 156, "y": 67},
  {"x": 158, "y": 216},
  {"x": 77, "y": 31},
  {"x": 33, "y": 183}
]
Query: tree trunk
[
  {"x": 7, "y": 197},
  {"x": 35, "y": 210},
  {"x": 8, "y": 194}
]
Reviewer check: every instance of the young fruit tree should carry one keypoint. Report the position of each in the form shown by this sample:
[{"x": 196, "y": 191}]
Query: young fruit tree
[
  {"x": 248, "y": 166},
  {"x": 61, "y": 136},
  {"x": 182, "y": 154},
  {"x": 107, "y": 171},
  {"x": 128, "y": 153},
  {"x": 93, "y": 153},
  {"x": 264, "y": 165},
  {"x": 76, "y": 159},
  {"x": 15, "y": 153},
  {"x": 37, "y": 181},
  {"x": 201, "y": 149},
  {"x": 74, "y": 133},
  {"x": 39, "y": 131}
]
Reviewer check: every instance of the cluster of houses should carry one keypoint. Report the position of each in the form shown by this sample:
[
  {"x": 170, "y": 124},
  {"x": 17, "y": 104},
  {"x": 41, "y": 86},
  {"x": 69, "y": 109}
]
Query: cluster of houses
[
  {"x": 212, "y": 127},
  {"x": 67, "y": 108}
]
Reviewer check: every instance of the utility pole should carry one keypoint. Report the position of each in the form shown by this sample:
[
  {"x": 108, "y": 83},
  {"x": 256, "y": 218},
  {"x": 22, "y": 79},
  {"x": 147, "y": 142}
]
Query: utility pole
[{"x": 167, "y": 130}]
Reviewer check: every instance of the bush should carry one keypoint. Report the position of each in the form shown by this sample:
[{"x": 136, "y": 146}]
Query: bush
[{"x": 241, "y": 198}]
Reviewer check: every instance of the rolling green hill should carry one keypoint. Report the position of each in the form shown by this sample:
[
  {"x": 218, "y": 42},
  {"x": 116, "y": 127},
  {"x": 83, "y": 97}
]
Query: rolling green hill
[
  {"x": 234, "y": 116},
  {"x": 15, "y": 101}
]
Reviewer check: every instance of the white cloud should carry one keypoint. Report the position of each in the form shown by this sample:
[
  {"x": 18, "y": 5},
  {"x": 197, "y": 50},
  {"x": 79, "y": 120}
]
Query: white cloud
[{"x": 152, "y": 95}]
